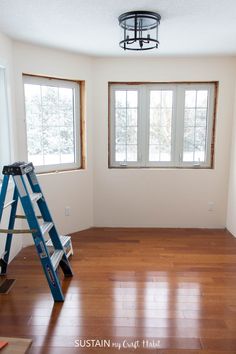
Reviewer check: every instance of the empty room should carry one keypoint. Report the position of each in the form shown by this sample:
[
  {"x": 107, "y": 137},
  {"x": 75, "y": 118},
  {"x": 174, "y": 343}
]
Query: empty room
[{"x": 117, "y": 176}]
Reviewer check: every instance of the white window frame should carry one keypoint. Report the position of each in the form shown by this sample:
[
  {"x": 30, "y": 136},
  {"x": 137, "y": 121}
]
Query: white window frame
[
  {"x": 139, "y": 123},
  {"x": 44, "y": 81},
  {"x": 177, "y": 124},
  {"x": 163, "y": 87},
  {"x": 210, "y": 87}
]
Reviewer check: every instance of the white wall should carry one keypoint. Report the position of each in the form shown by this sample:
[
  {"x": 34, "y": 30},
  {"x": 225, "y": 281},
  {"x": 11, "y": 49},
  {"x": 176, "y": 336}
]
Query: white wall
[
  {"x": 75, "y": 188},
  {"x": 231, "y": 212},
  {"x": 99, "y": 196},
  {"x": 162, "y": 198},
  {"x": 6, "y": 61}
]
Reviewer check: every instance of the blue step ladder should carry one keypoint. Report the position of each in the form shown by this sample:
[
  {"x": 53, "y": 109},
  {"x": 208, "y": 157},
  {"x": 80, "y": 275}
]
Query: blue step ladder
[{"x": 21, "y": 172}]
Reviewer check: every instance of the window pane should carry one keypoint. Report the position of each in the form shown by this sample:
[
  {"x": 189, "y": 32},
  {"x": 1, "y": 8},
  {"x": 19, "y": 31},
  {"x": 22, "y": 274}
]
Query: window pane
[
  {"x": 201, "y": 117},
  {"x": 155, "y": 99},
  {"x": 50, "y": 124},
  {"x": 200, "y": 136},
  {"x": 50, "y": 117},
  {"x": 160, "y": 125},
  {"x": 131, "y": 135},
  {"x": 154, "y": 135},
  {"x": 120, "y": 99},
  {"x": 202, "y": 97},
  {"x": 200, "y": 141},
  {"x": 120, "y": 135},
  {"x": 33, "y": 99},
  {"x": 166, "y": 117},
  {"x": 195, "y": 126},
  {"x": 35, "y": 145},
  {"x": 126, "y": 126},
  {"x": 165, "y": 154},
  {"x": 33, "y": 105},
  {"x": 66, "y": 117},
  {"x": 132, "y": 117},
  {"x": 67, "y": 144},
  {"x": 51, "y": 145},
  {"x": 66, "y": 103},
  {"x": 189, "y": 117},
  {"x": 199, "y": 156},
  {"x": 121, "y": 117},
  {"x": 165, "y": 138},
  {"x": 154, "y": 153},
  {"x": 132, "y": 153},
  {"x": 132, "y": 99},
  {"x": 155, "y": 117},
  {"x": 190, "y": 99},
  {"x": 67, "y": 153},
  {"x": 188, "y": 154},
  {"x": 120, "y": 152},
  {"x": 166, "y": 100},
  {"x": 65, "y": 96}
]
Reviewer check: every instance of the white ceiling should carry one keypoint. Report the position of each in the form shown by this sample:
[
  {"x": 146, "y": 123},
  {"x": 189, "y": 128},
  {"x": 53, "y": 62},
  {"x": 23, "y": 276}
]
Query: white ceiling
[{"x": 188, "y": 27}]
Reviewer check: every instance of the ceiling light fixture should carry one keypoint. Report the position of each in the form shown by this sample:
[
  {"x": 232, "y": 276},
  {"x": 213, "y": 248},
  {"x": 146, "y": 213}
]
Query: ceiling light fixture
[{"x": 140, "y": 30}]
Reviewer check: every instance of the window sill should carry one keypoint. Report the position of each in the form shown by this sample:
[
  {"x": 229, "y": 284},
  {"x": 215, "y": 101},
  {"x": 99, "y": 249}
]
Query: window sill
[
  {"x": 166, "y": 168},
  {"x": 59, "y": 171}
]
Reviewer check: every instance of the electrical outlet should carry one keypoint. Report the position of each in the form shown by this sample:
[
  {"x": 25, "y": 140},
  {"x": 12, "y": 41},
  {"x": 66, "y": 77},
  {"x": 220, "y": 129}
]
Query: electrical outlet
[
  {"x": 67, "y": 211},
  {"x": 210, "y": 206}
]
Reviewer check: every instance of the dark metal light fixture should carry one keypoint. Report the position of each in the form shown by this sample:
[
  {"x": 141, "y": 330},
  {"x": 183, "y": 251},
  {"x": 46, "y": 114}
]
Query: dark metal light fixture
[{"x": 140, "y": 30}]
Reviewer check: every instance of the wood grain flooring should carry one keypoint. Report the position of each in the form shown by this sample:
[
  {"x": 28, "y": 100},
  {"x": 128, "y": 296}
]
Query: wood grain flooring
[{"x": 172, "y": 288}]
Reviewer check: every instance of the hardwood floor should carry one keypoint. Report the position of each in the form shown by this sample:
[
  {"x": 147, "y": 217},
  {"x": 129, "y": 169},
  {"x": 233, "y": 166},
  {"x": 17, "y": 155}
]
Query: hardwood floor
[{"x": 174, "y": 288}]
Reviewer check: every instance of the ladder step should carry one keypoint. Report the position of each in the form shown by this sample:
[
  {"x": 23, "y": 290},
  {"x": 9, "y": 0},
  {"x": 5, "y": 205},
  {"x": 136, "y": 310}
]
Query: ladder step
[
  {"x": 56, "y": 258},
  {"x": 35, "y": 196},
  {"x": 24, "y": 217},
  {"x": 64, "y": 240},
  {"x": 45, "y": 227},
  {"x": 8, "y": 204},
  {"x": 66, "y": 243}
]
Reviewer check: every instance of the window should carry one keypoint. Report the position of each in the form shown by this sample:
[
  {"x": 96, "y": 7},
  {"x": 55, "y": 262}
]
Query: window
[
  {"x": 52, "y": 110},
  {"x": 161, "y": 125},
  {"x": 5, "y": 149}
]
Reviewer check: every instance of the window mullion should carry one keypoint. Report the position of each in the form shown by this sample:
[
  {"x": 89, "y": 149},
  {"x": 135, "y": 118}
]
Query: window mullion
[
  {"x": 144, "y": 145},
  {"x": 179, "y": 126},
  {"x": 174, "y": 152},
  {"x": 77, "y": 125},
  {"x": 113, "y": 128},
  {"x": 210, "y": 113}
]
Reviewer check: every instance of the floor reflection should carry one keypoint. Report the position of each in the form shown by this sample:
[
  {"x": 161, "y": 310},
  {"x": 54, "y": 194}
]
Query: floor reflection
[
  {"x": 125, "y": 308},
  {"x": 187, "y": 298}
]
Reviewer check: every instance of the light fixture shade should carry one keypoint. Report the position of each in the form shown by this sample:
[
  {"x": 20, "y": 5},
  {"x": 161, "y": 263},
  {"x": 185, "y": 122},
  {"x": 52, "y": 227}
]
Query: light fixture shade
[{"x": 140, "y": 30}]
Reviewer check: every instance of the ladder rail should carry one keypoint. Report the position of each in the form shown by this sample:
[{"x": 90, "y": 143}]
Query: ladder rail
[
  {"x": 33, "y": 181},
  {"x": 3, "y": 194},
  {"x": 3, "y": 205},
  {"x": 9, "y": 235},
  {"x": 42, "y": 250},
  {"x": 50, "y": 262},
  {"x": 53, "y": 233}
]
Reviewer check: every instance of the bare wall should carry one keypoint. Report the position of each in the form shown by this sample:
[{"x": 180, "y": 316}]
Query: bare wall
[
  {"x": 6, "y": 61},
  {"x": 99, "y": 196},
  {"x": 62, "y": 189},
  {"x": 162, "y": 197},
  {"x": 231, "y": 212}
]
